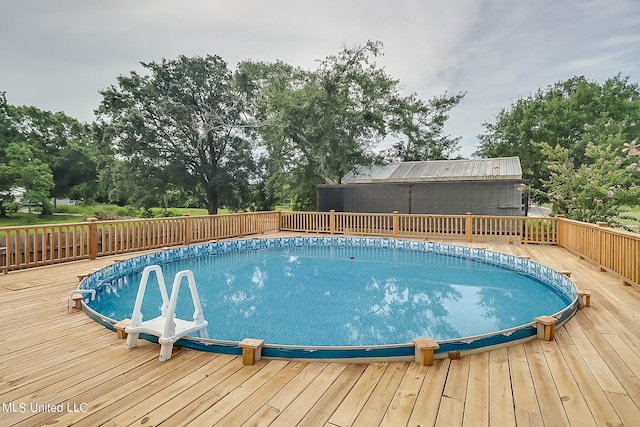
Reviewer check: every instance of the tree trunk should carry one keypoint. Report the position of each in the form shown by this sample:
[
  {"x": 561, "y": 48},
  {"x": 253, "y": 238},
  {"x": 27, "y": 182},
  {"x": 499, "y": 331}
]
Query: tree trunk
[{"x": 212, "y": 200}]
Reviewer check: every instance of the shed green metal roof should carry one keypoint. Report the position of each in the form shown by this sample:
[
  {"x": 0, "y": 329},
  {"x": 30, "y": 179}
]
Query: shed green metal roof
[{"x": 438, "y": 170}]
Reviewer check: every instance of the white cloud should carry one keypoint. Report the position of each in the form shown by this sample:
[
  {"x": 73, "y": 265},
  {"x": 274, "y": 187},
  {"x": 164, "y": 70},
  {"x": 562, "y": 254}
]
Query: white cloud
[{"x": 58, "y": 55}]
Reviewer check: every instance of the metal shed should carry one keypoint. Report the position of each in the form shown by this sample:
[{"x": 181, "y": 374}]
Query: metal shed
[{"x": 446, "y": 187}]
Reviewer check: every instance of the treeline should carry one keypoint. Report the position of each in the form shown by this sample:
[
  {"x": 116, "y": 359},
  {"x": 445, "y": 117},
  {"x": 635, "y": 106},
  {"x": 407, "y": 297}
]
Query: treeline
[{"x": 191, "y": 132}]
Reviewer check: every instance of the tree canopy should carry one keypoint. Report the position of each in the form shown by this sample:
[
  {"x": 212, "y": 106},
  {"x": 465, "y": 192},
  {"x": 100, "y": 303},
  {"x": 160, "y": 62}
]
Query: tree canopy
[
  {"x": 185, "y": 124},
  {"x": 64, "y": 144},
  {"x": 597, "y": 190},
  {"x": 570, "y": 114},
  {"x": 47, "y": 154},
  {"x": 318, "y": 125},
  {"x": 192, "y": 129},
  {"x": 418, "y": 127}
]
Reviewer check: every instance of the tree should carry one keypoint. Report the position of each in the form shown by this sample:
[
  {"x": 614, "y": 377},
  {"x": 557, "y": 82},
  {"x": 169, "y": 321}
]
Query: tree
[
  {"x": 185, "y": 122},
  {"x": 571, "y": 114},
  {"x": 419, "y": 126},
  {"x": 7, "y": 174},
  {"x": 61, "y": 142},
  {"x": 318, "y": 125},
  {"x": 30, "y": 173},
  {"x": 595, "y": 191},
  {"x": 127, "y": 186}
]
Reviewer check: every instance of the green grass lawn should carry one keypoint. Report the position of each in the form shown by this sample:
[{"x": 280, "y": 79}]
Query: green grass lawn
[
  {"x": 80, "y": 213},
  {"x": 20, "y": 219},
  {"x": 632, "y": 212}
]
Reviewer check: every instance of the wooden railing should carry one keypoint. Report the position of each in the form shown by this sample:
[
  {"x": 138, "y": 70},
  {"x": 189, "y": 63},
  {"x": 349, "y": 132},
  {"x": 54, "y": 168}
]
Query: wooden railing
[
  {"x": 456, "y": 227},
  {"x": 612, "y": 250},
  {"x": 32, "y": 246}
]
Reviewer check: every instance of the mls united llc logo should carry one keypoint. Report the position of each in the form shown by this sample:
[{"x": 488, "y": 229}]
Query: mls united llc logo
[{"x": 34, "y": 407}]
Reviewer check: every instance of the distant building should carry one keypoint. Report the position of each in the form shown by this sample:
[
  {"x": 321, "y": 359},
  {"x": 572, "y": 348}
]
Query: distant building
[
  {"x": 445, "y": 187},
  {"x": 16, "y": 194}
]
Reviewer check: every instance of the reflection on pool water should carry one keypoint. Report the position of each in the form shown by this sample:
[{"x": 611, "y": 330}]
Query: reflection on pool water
[{"x": 332, "y": 294}]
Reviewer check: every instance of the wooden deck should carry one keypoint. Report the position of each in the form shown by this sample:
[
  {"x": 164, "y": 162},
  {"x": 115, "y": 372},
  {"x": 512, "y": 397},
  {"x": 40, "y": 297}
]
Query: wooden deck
[{"x": 588, "y": 376}]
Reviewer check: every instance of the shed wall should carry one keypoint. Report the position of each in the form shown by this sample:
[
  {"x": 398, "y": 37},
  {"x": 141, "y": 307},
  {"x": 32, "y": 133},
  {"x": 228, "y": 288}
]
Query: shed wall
[{"x": 492, "y": 197}]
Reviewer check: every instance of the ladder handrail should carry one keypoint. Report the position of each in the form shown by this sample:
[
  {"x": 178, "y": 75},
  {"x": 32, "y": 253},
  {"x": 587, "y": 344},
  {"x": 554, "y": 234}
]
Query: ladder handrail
[
  {"x": 198, "y": 317},
  {"x": 136, "y": 316}
]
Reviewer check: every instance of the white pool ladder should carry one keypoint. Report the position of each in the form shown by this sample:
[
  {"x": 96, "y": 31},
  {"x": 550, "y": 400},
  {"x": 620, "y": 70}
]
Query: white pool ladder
[{"x": 167, "y": 327}]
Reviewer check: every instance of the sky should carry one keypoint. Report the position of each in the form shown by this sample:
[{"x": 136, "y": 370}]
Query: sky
[{"x": 58, "y": 55}]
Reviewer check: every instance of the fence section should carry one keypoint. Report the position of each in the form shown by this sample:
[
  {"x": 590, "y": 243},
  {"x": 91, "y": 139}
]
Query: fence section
[
  {"x": 431, "y": 226},
  {"x": 612, "y": 250},
  {"x": 455, "y": 227},
  {"x": 119, "y": 237},
  {"x": 363, "y": 224},
  {"x": 259, "y": 222},
  {"x": 32, "y": 246},
  {"x": 206, "y": 228},
  {"x": 307, "y": 222}
]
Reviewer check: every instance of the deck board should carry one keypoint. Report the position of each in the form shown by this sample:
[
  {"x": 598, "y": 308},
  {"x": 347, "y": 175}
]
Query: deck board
[
  {"x": 476, "y": 408},
  {"x": 501, "y": 412},
  {"x": 595, "y": 396},
  {"x": 549, "y": 399},
  {"x": 573, "y": 402},
  {"x": 527, "y": 408},
  {"x": 451, "y": 410},
  {"x": 589, "y": 375},
  {"x": 377, "y": 404}
]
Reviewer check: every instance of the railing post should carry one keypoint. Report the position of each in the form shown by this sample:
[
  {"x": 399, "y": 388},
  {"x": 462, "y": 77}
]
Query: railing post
[
  {"x": 188, "y": 229},
  {"x": 468, "y": 226},
  {"x": 559, "y": 224},
  {"x": 395, "y": 224},
  {"x": 601, "y": 226},
  {"x": 279, "y": 219},
  {"x": 92, "y": 238},
  {"x": 332, "y": 221},
  {"x": 240, "y": 217}
]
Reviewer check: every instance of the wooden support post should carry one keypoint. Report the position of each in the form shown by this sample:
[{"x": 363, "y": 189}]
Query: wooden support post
[
  {"x": 424, "y": 348},
  {"x": 546, "y": 327},
  {"x": 77, "y": 301},
  {"x": 240, "y": 219},
  {"x": 5, "y": 268},
  {"x": 468, "y": 227},
  {"x": 454, "y": 355},
  {"x": 600, "y": 246},
  {"x": 188, "y": 229},
  {"x": 251, "y": 350},
  {"x": 395, "y": 224},
  {"x": 332, "y": 221},
  {"x": 92, "y": 238},
  {"x": 584, "y": 298},
  {"x": 87, "y": 274},
  {"x": 120, "y": 326}
]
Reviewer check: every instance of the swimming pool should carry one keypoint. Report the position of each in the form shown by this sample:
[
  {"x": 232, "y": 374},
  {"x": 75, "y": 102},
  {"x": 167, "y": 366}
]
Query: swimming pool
[{"x": 268, "y": 289}]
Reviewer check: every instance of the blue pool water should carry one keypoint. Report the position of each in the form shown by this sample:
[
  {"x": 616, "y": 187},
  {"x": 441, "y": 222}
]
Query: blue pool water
[{"x": 343, "y": 295}]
